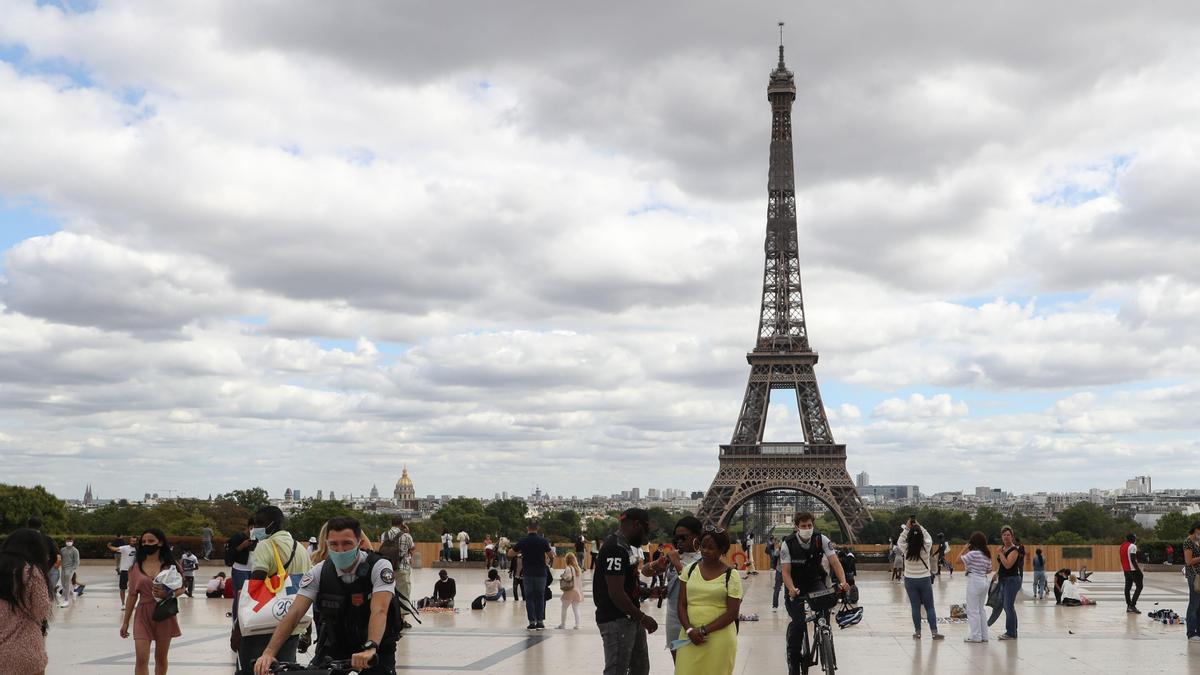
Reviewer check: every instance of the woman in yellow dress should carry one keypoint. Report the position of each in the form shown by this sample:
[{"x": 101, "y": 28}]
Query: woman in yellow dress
[{"x": 710, "y": 596}]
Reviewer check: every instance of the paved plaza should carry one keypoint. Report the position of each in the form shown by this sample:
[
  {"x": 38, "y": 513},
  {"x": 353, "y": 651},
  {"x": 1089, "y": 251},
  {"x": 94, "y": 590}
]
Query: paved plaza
[{"x": 1101, "y": 639}]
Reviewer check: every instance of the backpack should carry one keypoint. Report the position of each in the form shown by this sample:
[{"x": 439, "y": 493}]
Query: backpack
[
  {"x": 230, "y": 553},
  {"x": 390, "y": 549},
  {"x": 478, "y": 603}
]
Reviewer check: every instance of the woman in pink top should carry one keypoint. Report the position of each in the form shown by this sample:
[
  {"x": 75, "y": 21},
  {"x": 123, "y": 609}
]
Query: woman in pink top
[
  {"x": 153, "y": 556},
  {"x": 24, "y": 603},
  {"x": 977, "y": 559}
]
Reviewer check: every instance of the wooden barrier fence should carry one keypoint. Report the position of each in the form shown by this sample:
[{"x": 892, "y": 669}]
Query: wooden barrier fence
[{"x": 1096, "y": 557}]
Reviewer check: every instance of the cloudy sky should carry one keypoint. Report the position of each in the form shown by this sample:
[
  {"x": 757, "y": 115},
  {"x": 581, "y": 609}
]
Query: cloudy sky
[{"x": 301, "y": 244}]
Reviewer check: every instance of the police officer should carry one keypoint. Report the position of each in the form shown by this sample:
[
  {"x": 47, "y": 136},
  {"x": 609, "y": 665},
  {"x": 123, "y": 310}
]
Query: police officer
[
  {"x": 354, "y": 590},
  {"x": 806, "y": 558}
]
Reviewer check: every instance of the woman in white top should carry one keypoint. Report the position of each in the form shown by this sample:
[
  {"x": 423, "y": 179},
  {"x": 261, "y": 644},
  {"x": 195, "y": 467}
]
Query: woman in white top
[
  {"x": 569, "y": 583},
  {"x": 493, "y": 589},
  {"x": 915, "y": 547},
  {"x": 977, "y": 560}
]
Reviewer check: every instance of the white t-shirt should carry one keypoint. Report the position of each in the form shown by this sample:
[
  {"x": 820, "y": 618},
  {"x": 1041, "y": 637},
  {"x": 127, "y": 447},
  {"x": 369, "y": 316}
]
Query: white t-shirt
[
  {"x": 128, "y": 557},
  {"x": 1070, "y": 591},
  {"x": 383, "y": 577},
  {"x": 463, "y": 538},
  {"x": 447, "y": 539},
  {"x": 214, "y": 585}
]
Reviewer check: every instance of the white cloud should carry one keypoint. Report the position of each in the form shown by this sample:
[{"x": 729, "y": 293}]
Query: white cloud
[{"x": 537, "y": 251}]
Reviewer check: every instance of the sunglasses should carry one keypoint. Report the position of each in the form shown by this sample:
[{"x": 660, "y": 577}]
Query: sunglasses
[{"x": 716, "y": 530}]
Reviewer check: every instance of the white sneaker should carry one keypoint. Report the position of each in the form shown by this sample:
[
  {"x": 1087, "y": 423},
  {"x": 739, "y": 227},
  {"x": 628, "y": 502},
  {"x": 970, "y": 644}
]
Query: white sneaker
[
  {"x": 1194, "y": 638},
  {"x": 64, "y": 603}
]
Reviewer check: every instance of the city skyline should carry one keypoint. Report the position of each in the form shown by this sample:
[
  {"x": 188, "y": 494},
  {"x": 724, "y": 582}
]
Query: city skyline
[{"x": 238, "y": 245}]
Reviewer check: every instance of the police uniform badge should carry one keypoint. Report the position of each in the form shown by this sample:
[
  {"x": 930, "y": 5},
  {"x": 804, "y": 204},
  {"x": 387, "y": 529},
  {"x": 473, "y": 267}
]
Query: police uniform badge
[
  {"x": 388, "y": 576},
  {"x": 306, "y": 580}
]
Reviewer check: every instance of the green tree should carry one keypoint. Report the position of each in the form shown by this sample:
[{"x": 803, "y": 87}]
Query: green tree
[
  {"x": 559, "y": 526},
  {"x": 307, "y": 521},
  {"x": 1172, "y": 527},
  {"x": 18, "y": 504},
  {"x": 1065, "y": 537},
  {"x": 601, "y": 528},
  {"x": 510, "y": 513},
  {"x": 1089, "y": 521},
  {"x": 252, "y": 500},
  {"x": 989, "y": 521}
]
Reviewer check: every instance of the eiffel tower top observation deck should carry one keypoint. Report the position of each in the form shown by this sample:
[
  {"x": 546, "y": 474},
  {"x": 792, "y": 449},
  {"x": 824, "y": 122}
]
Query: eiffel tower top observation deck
[{"x": 783, "y": 359}]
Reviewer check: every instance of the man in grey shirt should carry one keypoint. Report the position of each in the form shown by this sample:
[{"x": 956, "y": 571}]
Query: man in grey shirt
[{"x": 70, "y": 563}]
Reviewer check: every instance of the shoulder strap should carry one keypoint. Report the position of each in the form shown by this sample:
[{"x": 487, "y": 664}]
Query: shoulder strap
[
  {"x": 690, "y": 568},
  {"x": 291, "y": 557}
]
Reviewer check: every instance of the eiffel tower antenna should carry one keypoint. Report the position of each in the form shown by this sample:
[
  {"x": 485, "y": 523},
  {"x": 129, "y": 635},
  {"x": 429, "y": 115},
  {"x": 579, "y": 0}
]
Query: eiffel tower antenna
[{"x": 783, "y": 359}]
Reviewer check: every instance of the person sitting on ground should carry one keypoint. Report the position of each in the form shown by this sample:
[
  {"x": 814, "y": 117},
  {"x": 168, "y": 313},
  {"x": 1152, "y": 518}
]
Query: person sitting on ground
[
  {"x": 1071, "y": 597},
  {"x": 1060, "y": 578},
  {"x": 493, "y": 589},
  {"x": 443, "y": 591},
  {"x": 215, "y": 588}
]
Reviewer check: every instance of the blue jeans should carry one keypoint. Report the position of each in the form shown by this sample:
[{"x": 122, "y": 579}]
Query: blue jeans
[
  {"x": 1009, "y": 588},
  {"x": 920, "y": 592},
  {"x": 535, "y": 598},
  {"x": 1193, "y": 609},
  {"x": 1039, "y": 583},
  {"x": 502, "y": 595}
]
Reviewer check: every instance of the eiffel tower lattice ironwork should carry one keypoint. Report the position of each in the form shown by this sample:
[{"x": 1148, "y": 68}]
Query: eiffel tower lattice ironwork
[{"x": 783, "y": 359}]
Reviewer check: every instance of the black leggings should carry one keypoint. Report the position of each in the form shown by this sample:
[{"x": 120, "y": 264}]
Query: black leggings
[
  {"x": 518, "y": 586},
  {"x": 1134, "y": 580}
]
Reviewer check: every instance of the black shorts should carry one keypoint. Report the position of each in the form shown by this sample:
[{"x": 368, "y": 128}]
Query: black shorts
[{"x": 123, "y": 575}]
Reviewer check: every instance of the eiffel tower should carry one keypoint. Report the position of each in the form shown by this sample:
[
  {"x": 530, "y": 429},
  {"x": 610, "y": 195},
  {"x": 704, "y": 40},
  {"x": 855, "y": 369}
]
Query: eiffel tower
[{"x": 783, "y": 359}]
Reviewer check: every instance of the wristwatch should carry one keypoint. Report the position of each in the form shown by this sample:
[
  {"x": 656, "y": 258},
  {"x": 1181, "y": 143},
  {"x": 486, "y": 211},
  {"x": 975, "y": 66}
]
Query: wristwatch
[{"x": 370, "y": 644}]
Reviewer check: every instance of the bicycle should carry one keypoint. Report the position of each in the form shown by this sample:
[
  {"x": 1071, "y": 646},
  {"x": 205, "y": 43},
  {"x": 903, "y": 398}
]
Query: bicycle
[
  {"x": 326, "y": 667},
  {"x": 821, "y": 651}
]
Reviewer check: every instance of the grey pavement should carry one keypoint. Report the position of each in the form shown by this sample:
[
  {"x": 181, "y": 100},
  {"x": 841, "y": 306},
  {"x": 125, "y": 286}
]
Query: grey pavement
[{"x": 1053, "y": 639}]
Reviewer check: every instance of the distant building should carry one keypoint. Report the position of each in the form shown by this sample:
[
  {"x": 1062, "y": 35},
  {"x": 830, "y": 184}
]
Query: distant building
[
  {"x": 1139, "y": 485},
  {"x": 287, "y": 495},
  {"x": 697, "y": 495},
  {"x": 890, "y": 492},
  {"x": 862, "y": 480},
  {"x": 405, "y": 495},
  {"x": 652, "y": 493},
  {"x": 635, "y": 494},
  {"x": 374, "y": 492},
  {"x": 319, "y": 495}
]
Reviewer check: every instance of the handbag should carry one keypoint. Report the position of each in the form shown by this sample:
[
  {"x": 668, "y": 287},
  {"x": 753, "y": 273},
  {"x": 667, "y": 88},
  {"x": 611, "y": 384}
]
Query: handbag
[
  {"x": 165, "y": 608},
  {"x": 567, "y": 583},
  {"x": 261, "y": 612},
  {"x": 995, "y": 599}
]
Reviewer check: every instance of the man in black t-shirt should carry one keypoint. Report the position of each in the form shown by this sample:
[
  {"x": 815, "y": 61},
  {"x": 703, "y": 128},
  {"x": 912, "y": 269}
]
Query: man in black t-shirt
[
  {"x": 622, "y": 624},
  {"x": 536, "y": 556}
]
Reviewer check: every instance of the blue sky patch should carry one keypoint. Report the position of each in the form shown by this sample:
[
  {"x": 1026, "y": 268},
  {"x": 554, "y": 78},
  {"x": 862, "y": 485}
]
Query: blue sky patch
[{"x": 21, "y": 219}]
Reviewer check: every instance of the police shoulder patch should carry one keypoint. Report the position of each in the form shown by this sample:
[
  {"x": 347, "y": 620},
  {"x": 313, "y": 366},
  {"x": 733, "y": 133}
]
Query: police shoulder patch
[
  {"x": 306, "y": 580},
  {"x": 388, "y": 576}
]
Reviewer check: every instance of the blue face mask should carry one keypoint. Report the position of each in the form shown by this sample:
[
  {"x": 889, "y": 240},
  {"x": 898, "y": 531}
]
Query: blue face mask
[
  {"x": 343, "y": 560},
  {"x": 258, "y": 533}
]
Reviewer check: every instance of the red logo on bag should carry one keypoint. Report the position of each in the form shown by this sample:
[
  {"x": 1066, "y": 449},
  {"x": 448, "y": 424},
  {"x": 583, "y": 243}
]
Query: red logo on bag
[{"x": 357, "y": 599}]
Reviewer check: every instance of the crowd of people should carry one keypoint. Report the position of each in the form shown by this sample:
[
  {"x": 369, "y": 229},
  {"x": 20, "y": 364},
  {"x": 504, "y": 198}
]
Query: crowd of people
[{"x": 359, "y": 596}]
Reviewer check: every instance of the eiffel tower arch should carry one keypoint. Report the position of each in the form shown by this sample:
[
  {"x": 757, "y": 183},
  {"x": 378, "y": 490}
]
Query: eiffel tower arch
[{"x": 783, "y": 359}]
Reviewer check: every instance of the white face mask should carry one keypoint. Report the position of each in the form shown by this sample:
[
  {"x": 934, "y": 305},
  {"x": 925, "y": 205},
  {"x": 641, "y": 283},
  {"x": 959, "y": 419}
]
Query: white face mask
[{"x": 805, "y": 533}]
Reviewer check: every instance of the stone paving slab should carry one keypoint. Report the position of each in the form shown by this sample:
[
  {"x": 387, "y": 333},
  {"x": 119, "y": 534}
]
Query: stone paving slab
[{"x": 1054, "y": 639}]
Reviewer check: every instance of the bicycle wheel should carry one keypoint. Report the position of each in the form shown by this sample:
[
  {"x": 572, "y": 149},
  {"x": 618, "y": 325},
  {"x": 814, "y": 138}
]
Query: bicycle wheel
[{"x": 828, "y": 660}]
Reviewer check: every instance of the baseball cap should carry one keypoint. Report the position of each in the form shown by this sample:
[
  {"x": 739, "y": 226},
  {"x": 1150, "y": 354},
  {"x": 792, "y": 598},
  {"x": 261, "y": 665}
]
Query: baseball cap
[
  {"x": 640, "y": 515},
  {"x": 312, "y": 540}
]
